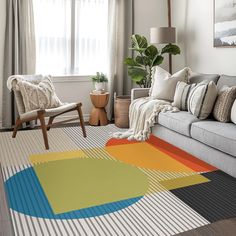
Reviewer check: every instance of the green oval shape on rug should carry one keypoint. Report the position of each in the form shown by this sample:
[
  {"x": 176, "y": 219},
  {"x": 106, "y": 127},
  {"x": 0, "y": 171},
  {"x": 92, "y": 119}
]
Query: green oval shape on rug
[{"x": 83, "y": 182}]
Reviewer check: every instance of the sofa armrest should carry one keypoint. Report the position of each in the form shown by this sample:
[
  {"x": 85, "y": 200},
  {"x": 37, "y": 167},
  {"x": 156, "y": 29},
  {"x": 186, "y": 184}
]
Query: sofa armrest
[{"x": 139, "y": 93}]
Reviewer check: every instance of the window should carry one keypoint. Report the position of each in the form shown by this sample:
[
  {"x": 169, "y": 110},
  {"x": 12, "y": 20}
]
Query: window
[{"x": 71, "y": 36}]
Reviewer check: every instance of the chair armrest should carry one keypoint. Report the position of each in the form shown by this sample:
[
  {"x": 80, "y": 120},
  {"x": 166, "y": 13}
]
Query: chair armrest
[{"x": 139, "y": 93}]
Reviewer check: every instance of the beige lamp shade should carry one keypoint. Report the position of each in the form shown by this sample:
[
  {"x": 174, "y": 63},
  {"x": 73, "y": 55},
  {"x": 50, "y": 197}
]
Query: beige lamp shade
[{"x": 162, "y": 35}]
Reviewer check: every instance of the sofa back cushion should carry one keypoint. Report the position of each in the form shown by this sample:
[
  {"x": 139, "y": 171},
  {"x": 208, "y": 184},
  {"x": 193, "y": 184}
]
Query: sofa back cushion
[
  {"x": 226, "y": 80},
  {"x": 198, "y": 78}
]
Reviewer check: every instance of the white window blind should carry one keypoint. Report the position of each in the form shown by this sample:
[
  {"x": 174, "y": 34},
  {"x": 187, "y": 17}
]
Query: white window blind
[{"x": 71, "y": 36}]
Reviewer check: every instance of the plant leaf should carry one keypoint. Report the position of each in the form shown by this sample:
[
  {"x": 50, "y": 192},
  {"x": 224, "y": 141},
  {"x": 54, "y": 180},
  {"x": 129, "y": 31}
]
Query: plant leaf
[
  {"x": 151, "y": 52},
  {"x": 131, "y": 62},
  {"x": 137, "y": 74},
  {"x": 139, "y": 43},
  {"x": 171, "y": 49},
  {"x": 158, "y": 60},
  {"x": 143, "y": 60}
]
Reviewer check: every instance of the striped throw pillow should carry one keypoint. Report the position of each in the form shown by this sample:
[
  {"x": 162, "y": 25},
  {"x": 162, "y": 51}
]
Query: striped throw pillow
[
  {"x": 182, "y": 92},
  {"x": 201, "y": 99},
  {"x": 224, "y": 103}
]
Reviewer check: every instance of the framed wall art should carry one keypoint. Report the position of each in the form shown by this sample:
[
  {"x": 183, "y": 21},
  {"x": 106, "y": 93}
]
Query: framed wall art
[{"x": 225, "y": 23}]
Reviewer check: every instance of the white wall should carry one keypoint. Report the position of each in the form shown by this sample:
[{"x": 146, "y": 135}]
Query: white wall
[
  {"x": 148, "y": 14},
  {"x": 75, "y": 89},
  {"x": 2, "y": 36},
  {"x": 194, "y": 21}
]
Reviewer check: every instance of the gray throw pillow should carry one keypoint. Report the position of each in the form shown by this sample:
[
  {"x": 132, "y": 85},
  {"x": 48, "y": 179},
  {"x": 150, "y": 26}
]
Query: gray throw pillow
[
  {"x": 201, "y": 99},
  {"x": 182, "y": 92},
  {"x": 224, "y": 103}
]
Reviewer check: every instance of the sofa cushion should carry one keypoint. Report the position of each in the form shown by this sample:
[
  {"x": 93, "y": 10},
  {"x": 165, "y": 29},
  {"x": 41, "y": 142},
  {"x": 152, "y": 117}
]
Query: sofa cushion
[
  {"x": 226, "y": 80},
  {"x": 198, "y": 78},
  {"x": 177, "y": 121},
  {"x": 221, "y": 136}
]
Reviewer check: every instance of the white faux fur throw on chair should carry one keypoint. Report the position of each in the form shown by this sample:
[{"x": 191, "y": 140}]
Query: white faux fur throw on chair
[{"x": 142, "y": 115}]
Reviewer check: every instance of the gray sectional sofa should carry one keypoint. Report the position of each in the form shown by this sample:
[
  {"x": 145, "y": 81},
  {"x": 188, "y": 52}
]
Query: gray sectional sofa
[{"x": 209, "y": 140}]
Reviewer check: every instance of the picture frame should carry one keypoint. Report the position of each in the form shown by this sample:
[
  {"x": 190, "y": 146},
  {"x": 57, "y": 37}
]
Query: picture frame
[{"x": 224, "y": 23}]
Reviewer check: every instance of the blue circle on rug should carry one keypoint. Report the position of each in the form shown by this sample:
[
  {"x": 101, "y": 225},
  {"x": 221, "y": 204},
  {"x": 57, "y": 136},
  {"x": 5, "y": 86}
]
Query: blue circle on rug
[{"x": 25, "y": 195}]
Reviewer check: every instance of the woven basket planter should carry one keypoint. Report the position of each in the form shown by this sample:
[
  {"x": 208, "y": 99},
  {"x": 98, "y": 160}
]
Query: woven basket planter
[{"x": 121, "y": 110}]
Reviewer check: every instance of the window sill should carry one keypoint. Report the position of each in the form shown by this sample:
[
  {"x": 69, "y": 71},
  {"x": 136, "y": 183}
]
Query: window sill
[{"x": 71, "y": 78}]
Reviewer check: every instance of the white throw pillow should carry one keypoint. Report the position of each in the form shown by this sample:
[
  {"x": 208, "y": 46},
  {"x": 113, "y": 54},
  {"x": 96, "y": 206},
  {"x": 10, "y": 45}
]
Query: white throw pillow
[
  {"x": 201, "y": 99},
  {"x": 164, "y": 84},
  {"x": 233, "y": 113},
  {"x": 38, "y": 96}
]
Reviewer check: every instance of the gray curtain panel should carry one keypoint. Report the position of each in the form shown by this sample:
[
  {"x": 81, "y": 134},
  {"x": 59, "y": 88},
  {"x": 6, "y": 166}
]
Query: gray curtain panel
[
  {"x": 121, "y": 26},
  {"x": 20, "y": 52}
]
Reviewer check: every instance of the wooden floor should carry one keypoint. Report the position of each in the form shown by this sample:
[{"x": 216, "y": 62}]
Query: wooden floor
[
  {"x": 5, "y": 221},
  {"x": 220, "y": 228}
]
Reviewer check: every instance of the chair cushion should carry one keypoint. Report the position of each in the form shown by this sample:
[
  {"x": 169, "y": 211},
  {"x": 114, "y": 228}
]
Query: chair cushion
[
  {"x": 221, "y": 136},
  {"x": 226, "y": 80},
  {"x": 198, "y": 78},
  {"x": 178, "y": 121},
  {"x": 48, "y": 112},
  {"x": 61, "y": 109}
]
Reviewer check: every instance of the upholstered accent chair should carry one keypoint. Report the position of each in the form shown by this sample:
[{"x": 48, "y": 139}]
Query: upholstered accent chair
[{"x": 41, "y": 114}]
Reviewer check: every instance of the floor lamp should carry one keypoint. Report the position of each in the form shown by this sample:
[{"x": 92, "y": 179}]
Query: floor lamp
[{"x": 164, "y": 35}]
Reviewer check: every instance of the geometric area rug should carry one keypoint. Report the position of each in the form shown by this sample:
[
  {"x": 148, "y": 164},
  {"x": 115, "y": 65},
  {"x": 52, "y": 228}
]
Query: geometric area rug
[{"x": 104, "y": 186}]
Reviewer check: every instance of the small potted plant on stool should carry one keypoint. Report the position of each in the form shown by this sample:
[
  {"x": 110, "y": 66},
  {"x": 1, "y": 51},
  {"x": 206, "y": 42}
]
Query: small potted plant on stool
[{"x": 100, "y": 81}]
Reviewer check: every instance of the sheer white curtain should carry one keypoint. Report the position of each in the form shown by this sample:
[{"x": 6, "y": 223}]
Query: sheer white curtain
[
  {"x": 91, "y": 35},
  {"x": 71, "y": 36},
  {"x": 53, "y": 33}
]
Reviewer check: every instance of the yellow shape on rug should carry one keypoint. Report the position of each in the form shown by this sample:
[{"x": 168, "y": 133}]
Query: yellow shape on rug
[
  {"x": 56, "y": 156},
  {"x": 183, "y": 182}
]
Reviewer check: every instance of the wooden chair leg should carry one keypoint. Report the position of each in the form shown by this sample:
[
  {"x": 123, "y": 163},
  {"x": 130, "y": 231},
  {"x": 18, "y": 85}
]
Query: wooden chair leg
[
  {"x": 50, "y": 122},
  {"x": 44, "y": 129},
  {"x": 81, "y": 120},
  {"x": 18, "y": 123}
]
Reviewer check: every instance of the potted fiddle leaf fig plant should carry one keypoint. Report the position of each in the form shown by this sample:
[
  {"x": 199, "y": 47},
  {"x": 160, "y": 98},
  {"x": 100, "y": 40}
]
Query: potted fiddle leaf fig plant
[
  {"x": 140, "y": 68},
  {"x": 99, "y": 81}
]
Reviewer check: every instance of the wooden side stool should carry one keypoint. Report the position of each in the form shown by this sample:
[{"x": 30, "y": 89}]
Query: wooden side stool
[{"x": 98, "y": 114}]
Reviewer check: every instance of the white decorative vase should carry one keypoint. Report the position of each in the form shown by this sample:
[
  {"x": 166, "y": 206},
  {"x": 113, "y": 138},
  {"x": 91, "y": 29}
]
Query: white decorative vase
[{"x": 99, "y": 86}]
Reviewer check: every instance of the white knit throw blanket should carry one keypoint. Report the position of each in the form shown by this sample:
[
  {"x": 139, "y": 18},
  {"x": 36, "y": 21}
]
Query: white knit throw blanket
[{"x": 142, "y": 115}]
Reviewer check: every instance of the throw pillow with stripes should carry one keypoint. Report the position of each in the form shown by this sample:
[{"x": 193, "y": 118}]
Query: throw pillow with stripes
[
  {"x": 202, "y": 99},
  {"x": 224, "y": 103},
  {"x": 182, "y": 92}
]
